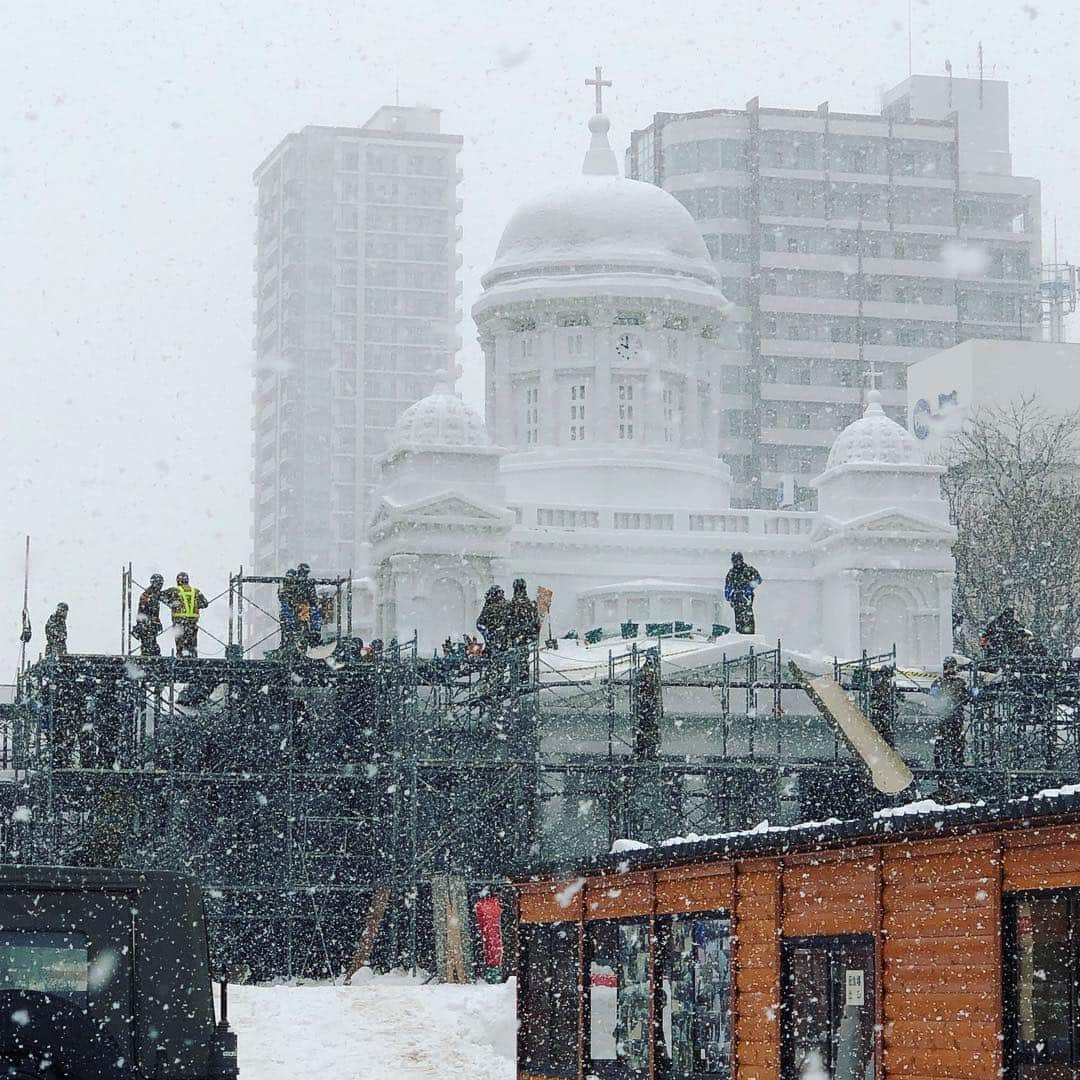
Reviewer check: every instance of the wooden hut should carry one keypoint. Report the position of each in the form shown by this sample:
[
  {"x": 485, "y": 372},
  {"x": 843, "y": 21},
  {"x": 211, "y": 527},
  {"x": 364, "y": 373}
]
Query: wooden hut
[{"x": 930, "y": 944}]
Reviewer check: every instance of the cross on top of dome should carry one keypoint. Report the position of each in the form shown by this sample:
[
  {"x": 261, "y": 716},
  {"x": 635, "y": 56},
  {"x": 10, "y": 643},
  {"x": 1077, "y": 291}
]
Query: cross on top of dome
[
  {"x": 599, "y": 82},
  {"x": 600, "y": 158}
]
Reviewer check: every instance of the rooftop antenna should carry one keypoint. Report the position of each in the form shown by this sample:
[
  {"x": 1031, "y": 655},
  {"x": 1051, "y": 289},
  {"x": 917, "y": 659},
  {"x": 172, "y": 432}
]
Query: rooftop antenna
[
  {"x": 909, "y": 68},
  {"x": 397, "y": 91},
  {"x": 948, "y": 71},
  {"x": 980, "y": 75},
  {"x": 26, "y": 632}
]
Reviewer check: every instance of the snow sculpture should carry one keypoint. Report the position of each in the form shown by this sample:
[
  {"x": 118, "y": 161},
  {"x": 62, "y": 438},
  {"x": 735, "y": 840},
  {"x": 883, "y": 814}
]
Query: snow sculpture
[
  {"x": 883, "y": 544},
  {"x": 605, "y": 341},
  {"x": 439, "y": 532}
]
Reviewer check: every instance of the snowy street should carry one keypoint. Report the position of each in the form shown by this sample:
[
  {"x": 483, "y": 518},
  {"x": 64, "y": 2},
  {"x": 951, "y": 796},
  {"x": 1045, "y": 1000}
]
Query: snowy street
[{"x": 386, "y": 1026}]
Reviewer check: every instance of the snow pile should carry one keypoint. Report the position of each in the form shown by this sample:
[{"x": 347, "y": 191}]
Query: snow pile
[{"x": 389, "y": 1027}]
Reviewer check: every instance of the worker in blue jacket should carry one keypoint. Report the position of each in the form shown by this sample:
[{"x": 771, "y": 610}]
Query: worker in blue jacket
[{"x": 739, "y": 587}]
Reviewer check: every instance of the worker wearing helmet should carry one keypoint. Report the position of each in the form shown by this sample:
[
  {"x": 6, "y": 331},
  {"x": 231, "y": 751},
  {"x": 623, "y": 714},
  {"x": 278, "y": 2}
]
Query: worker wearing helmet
[
  {"x": 185, "y": 602},
  {"x": 148, "y": 619}
]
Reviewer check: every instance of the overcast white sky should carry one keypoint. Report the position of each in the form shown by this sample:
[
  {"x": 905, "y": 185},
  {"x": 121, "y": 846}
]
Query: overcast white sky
[{"x": 128, "y": 134}]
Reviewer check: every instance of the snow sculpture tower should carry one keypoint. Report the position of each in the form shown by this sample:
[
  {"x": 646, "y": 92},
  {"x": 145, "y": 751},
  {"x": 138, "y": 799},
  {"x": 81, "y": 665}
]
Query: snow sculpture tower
[
  {"x": 883, "y": 545},
  {"x": 601, "y": 323},
  {"x": 440, "y": 529}
]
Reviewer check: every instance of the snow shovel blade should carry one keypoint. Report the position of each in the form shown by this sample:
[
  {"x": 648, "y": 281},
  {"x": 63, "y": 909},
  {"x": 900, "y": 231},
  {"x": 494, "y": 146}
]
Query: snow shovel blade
[{"x": 888, "y": 770}]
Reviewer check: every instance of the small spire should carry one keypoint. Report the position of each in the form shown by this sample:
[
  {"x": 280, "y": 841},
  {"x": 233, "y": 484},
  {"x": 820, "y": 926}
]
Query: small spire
[
  {"x": 446, "y": 379},
  {"x": 600, "y": 158}
]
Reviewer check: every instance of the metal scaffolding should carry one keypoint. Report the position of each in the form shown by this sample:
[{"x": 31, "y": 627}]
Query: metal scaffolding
[{"x": 298, "y": 788}]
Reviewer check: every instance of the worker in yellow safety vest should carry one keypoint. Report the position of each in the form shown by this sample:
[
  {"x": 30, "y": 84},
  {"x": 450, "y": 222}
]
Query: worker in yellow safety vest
[{"x": 185, "y": 602}]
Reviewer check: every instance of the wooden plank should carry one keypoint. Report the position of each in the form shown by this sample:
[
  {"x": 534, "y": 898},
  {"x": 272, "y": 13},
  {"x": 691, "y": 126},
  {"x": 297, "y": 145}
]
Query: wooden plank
[
  {"x": 551, "y": 901},
  {"x": 829, "y": 919},
  {"x": 1056, "y": 836},
  {"x": 1019, "y": 881},
  {"x": 913, "y": 1004},
  {"x": 959, "y": 922},
  {"x": 958, "y": 1064},
  {"x": 753, "y": 980},
  {"x": 968, "y": 979},
  {"x": 948, "y": 1036},
  {"x": 366, "y": 945},
  {"x": 616, "y": 898},
  {"x": 942, "y": 950},
  {"x": 942, "y": 868},
  {"x": 712, "y": 893},
  {"x": 931, "y": 896}
]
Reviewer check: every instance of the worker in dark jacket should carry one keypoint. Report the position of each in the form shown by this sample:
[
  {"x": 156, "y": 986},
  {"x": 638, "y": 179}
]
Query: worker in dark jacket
[
  {"x": 56, "y": 632},
  {"x": 287, "y": 601},
  {"x": 148, "y": 618},
  {"x": 494, "y": 621},
  {"x": 1005, "y": 638},
  {"x": 883, "y": 702},
  {"x": 524, "y": 625},
  {"x": 739, "y": 587},
  {"x": 950, "y": 695},
  {"x": 185, "y": 602},
  {"x": 649, "y": 709}
]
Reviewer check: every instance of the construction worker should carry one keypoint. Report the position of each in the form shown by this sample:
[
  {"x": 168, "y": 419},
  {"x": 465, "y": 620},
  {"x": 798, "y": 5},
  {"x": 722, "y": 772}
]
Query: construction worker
[
  {"x": 494, "y": 621},
  {"x": 524, "y": 625},
  {"x": 185, "y": 602},
  {"x": 307, "y": 607},
  {"x": 739, "y": 587},
  {"x": 287, "y": 611},
  {"x": 950, "y": 695},
  {"x": 56, "y": 632},
  {"x": 650, "y": 708},
  {"x": 148, "y": 619}
]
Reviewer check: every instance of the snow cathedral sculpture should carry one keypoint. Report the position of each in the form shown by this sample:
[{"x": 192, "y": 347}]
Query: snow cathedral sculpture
[{"x": 601, "y": 476}]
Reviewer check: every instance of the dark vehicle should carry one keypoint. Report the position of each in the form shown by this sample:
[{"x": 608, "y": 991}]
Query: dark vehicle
[{"x": 104, "y": 975}]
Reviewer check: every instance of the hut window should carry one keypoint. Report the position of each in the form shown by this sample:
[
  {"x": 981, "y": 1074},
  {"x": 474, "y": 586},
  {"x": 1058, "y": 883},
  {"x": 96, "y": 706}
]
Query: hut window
[
  {"x": 619, "y": 998},
  {"x": 1044, "y": 958},
  {"x": 696, "y": 996},
  {"x": 547, "y": 1024}
]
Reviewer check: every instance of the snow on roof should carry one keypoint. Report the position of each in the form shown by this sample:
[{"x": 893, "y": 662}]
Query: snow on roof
[{"x": 880, "y": 821}]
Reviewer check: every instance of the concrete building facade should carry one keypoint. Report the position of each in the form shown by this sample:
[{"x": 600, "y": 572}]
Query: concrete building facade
[
  {"x": 848, "y": 241},
  {"x": 356, "y": 309}
]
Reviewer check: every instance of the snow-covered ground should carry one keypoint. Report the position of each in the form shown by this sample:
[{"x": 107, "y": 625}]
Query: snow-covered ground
[{"x": 381, "y": 1028}]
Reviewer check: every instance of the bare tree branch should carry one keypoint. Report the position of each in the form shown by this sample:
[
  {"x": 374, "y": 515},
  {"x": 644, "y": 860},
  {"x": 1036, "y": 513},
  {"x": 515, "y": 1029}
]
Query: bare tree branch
[{"x": 1012, "y": 484}]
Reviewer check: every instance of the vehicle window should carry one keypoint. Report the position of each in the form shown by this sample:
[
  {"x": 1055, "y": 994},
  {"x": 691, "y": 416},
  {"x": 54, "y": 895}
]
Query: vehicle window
[{"x": 55, "y": 963}]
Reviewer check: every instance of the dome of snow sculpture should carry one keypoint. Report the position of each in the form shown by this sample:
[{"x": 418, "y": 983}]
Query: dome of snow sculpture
[
  {"x": 874, "y": 439},
  {"x": 440, "y": 419},
  {"x": 602, "y": 222}
]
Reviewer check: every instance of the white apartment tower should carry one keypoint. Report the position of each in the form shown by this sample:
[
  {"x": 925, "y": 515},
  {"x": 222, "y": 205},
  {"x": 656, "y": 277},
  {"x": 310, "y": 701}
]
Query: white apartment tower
[
  {"x": 848, "y": 242},
  {"x": 356, "y": 309}
]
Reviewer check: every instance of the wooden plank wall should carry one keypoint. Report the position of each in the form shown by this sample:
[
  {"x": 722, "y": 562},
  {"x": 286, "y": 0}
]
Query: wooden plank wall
[
  {"x": 942, "y": 961},
  {"x": 756, "y": 959},
  {"x": 935, "y": 907}
]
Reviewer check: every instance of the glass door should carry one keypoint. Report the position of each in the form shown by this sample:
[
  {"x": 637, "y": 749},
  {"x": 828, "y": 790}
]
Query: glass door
[
  {"x": 1042, "y": 962},
  {"x": 828, "y": 1008}
]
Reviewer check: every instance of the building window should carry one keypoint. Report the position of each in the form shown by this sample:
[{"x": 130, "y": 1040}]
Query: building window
[
  {"x": 532, "y": 415},
  {"x": 618, "y": 988},
  {"x": 575, "y": 345},
  {"x": 670, "y": 398},
  {"x": 626, "y": 411},
  {"x": 695, "y": 977},
  {"x": 1042, "y": 984},
  {"x": 577, "y": 412},
  {"x": 547, "y": 998}
]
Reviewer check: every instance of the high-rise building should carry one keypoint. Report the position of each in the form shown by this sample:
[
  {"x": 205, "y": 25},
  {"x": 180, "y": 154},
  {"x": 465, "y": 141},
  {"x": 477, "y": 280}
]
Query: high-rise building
[
  {"x": 356, "y": 309},
  {"x": 848, "y": 242}
]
